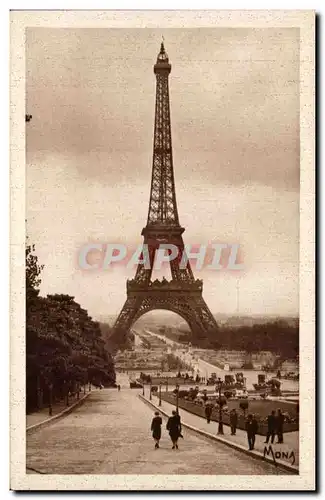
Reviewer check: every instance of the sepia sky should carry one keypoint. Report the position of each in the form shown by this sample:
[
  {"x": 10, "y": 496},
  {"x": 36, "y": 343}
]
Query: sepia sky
[{"x": 235, "y": 131}]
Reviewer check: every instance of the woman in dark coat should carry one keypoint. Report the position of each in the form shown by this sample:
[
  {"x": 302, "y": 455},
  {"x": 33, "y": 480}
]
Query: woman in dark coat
[
  {"x": 208, "y": 412},
  {"x": 156, "y": 428},
  {"x": 174, "y": 427}
]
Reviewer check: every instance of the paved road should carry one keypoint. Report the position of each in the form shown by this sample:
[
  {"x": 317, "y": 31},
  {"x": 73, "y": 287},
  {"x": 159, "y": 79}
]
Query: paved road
[
  {"x": 206, "y": 368},
  {"x": 110, "y": 434}
]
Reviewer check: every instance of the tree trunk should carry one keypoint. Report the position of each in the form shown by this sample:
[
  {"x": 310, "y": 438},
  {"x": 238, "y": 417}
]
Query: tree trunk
[
  {"x": 39, "y": 393},
  {"x": 50, "y": 399}
]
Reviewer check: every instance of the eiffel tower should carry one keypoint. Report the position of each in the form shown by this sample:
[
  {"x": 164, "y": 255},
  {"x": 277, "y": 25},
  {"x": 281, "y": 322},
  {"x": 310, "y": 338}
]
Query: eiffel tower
[{"x": 183, "y": 294}]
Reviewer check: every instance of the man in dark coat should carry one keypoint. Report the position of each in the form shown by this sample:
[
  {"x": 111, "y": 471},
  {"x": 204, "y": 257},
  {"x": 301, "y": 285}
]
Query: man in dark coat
[
  {"x": 156, "y": 428},
  {"x": 271, "y": 427},
  {"x": 251, "y": 429},
  {"x": 174, "y": 427},
  {"x": 233, "y": 421},
  {"x": 279, "y": 426},
  {"x": 208, "y": 412}
]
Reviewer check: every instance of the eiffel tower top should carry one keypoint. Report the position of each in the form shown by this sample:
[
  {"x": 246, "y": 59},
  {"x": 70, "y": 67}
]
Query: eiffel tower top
[
  {"x": 162, "y": 205},
  {"x": 162, "y": 64}
]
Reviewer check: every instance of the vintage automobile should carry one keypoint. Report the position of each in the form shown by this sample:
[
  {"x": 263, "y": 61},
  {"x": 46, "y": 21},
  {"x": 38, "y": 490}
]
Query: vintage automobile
[
  {"x": 261, "y": 384},
  {"x": 135, "y": 385}
]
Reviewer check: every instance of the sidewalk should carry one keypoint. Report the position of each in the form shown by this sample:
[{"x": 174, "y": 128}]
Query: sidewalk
[
  {"x": 291, "y": 439},
  {"x": 42, "y": 415}
]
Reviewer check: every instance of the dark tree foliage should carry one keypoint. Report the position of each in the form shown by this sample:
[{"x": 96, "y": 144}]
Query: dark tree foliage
[
  {"x": 114, "y": 343},
  {"x": 64, "y": 346},
  {"x": 278, "y": 336},
  {"x": 33, "y": 271},
  {"x": 244, "y": 406}
]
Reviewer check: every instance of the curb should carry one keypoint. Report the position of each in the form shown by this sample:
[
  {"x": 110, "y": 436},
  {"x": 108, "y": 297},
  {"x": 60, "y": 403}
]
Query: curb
[
  {"x": 253, "y": 454},
  {"x": 62, "y": 414}
]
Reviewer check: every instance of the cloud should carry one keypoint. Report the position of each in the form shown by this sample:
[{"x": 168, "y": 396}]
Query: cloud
[{"x": 235, "y": 131}]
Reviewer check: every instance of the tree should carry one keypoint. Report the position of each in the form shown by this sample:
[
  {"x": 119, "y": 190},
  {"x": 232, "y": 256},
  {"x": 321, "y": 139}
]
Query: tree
[
  {"x": 228, "y": 394},
  {"x": 64, "y": 346},
  {"x": 33, "y": 271},
  {"x": 244, "y": 406},
  {"x": 275, "y": 385}
]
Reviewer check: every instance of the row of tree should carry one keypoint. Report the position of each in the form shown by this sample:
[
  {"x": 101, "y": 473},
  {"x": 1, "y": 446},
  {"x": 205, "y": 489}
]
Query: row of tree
[
  {"x": 170, "y": 362},
  {"x": 278, "y": 337},
  {"x": 64, "y": 346}
]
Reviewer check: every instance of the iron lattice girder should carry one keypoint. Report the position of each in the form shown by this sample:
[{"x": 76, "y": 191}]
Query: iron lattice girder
[
  {"x": 153, "y": 237},
  {"x": 162, "y": 204},
  {"x": 182, "y": 295}
]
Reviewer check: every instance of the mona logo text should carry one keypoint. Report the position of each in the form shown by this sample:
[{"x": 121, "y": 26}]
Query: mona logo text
[{"x": 276, "y": 455}]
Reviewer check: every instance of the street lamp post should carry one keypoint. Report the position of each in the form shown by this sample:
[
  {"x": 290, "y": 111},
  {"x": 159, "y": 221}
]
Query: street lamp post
[
  {"x": 142, "y": 388},
  {"x": 150, "y": 395},
  {"x": 177, "y": 391},
  {"x": 159, "y": 393},
  {"x": 218, "y": 389},
  {"x": 167, "y": 385}
]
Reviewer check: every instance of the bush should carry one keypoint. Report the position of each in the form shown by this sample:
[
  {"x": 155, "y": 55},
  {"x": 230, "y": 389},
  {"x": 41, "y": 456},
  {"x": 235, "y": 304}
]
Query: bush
[
  {"x": 192, "y": 393},
  {"x": 243, "y": 405},
  {"x": 221, "y": 401},
  {"x": 183, "y": 394}
]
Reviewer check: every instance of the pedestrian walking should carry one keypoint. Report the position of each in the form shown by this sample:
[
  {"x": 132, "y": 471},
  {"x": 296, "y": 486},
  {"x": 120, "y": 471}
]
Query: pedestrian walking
[
  {"x": 156, "y": 428},
  {"x": 175, "y": 428},
  {"x": 119, "y": 387},
  {"x": 233, "y": 421},
  {"x": 251, "y": 429},
  {"x": 208, "y": 412},
  {"x": 271, "y": 427},
  {"x": 279, "y": 426}
]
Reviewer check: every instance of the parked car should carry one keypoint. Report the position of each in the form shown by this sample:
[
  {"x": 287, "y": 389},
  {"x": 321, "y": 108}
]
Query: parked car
[{"x": 135, "y": 385}]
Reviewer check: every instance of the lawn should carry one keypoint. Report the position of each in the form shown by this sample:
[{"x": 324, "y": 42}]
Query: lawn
[
  {"x": 264, "y": 408},
  {"x": 260, "y": 408}
]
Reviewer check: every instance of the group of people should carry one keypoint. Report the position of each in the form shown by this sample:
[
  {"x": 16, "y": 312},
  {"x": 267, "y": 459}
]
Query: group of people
[
  {"x": 174, "y": 427},
  {"x": 274, "y": 428},
  {"x": 274, "y": 425}
]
